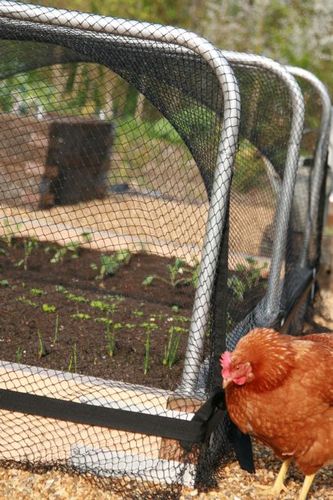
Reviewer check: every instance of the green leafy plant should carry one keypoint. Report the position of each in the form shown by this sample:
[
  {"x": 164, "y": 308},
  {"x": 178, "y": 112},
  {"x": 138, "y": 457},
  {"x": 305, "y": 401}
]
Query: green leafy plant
[
  {"x": 29, "y": 246},
  {"x": 249, "y": 276},
  {"x": 37, "y": 292},
  {"x": 25, "y": 301},
  {"x": 109, "y": 264},
  {"x": 81, "y": 316},
  {"x": 4, "y": 283},
  {"x": 137, "y": 313},
  {"x": 171, "y": 349},
  {"x": 180, "y": 273},
  {"x": 60, "y": 252},
  {"x": 72, "y": 363},
  {"x": 103, "y": 306},
  {"x": 49, "y": 308},
  {"x": 74, "y": 298}
]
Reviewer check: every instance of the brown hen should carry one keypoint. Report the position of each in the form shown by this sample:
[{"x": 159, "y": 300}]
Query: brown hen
[{"x": 279, "y": 389}]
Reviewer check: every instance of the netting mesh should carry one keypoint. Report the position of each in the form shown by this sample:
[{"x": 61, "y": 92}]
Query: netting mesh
[{"x": 128, "y": 257}]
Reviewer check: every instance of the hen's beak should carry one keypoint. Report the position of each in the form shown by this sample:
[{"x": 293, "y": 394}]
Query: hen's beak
[{"x": 226, "y": 382}]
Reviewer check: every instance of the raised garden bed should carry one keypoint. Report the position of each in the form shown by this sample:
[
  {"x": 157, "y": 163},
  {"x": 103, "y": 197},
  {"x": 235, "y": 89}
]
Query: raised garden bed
[
  {"x": 62, "y": 310},
  {"x": 116, "y": 316}
]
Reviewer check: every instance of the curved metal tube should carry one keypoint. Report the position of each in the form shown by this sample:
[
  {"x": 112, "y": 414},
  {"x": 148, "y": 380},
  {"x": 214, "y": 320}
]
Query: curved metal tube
[
  {"x": 320, "y": 154},
  {"x": 274, "y": 291}
]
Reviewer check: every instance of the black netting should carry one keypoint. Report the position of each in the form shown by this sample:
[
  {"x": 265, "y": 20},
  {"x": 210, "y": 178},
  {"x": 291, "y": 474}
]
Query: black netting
[{"x": 143, "y": 228}]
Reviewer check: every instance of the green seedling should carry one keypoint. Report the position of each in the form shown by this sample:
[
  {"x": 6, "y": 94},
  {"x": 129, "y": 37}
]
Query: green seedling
[
  {"x": 250, "y": 276},
  {"x": 58, "y": 255},
  {"x": 61, "y": 252},
  {"x": 109, "y": 264},
  {"x": 237, "y": 286},
  {"x": 60, "y": 289},
  {"x": 137, "y": 313},
  {"x": 9, "y": 233},
  {"x": 29, "y": 246},
  {"x": 105, "y": 321},
  {"x": 48, "y": 308},
  {"x": 110, "y": 336},
  {"x": 72, "y": 363},
  {"x": 74, "y": 248},
  {"x": 179, "y": 274},
  {"x": 56, "y": 330},
  {"x": 37, "y": 292},
  {"x": 4, "y": 283},
  {"x": 86, "y": 236},
  {"x": 110, "y": 340},
  {"x": 42, "y": 351},
  {"x": 18, "y": 354},
  {"x": 75, "y": 298},
  {"x": 102, "y": 306},
  {"x": 26, "y": 301},
  {"x": 149, "y": 327},
  {"x": 81, "y": 316},
  {"x": 171, "y": 349}
]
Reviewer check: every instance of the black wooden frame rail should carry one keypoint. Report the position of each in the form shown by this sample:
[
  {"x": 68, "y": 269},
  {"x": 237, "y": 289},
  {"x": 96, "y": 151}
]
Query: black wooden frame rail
[{"x": 193, "y": 431}]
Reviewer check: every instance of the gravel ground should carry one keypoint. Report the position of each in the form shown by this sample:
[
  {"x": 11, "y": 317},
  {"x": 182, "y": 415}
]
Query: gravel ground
[{"x": 233, "y": 484}]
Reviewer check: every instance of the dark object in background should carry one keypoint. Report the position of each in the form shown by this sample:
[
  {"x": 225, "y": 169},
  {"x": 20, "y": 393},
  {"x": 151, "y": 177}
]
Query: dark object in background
[{"x": 77, "y": 161}]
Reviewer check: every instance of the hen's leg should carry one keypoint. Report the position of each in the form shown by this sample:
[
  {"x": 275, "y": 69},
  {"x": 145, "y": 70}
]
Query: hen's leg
[
  {"x": 306, "y": 486},
  {"x": 278, "y": 485}
]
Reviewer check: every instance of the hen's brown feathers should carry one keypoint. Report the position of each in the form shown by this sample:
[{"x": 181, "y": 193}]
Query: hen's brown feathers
[{"x": 289, "y": 402}]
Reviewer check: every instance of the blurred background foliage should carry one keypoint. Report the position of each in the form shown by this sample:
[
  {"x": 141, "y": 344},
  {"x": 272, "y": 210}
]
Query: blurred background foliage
[{"x": 297, "y": 32}]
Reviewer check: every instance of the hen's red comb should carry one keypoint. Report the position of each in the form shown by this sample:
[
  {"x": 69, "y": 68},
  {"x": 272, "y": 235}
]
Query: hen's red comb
[{"x": 225, "y": 360}]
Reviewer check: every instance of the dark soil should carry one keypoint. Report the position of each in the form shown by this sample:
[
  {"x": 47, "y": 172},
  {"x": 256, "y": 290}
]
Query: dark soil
[
  {"x": 59, "y": 316},
  {"x": 81, "y": 305}
]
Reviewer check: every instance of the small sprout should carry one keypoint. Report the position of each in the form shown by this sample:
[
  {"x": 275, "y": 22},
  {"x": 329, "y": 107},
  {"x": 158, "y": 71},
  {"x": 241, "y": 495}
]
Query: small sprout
[
  {"x": 147, "y": 353},
  {"x": 110, "y": 340},
  {"x": 4, "y": 283},
  {"x": 72, "y": 363},
  {"x": 18, "y": 354},
  {"x": 105, "y": 321},
  {"x": 148, "y": 280},
  {"x": 175, "y": 308},
  {"x": 56, "y": 330},
  {"x": 99, "y": 304},
  {"x": 180, "y": 273},
  {"x": 59, "y": 255},
  {"x": 171, "y": 349},
  {"x": 29, "y": 246},
  {"x": 149, "y": 327},
  {"x": 86, "y": 236},
  {"x": 109, "y": 264},
  {"x": 61, "y": 252},
  {"x": 81, "y": 316},
  {"x": 37, "y": 292},
  {"x": 49, "y": 308},
  {"x": 26, "y": 301},
  {"x": 137, "y": 313},
  {"x": 42, "y": 351},
  {"x": 75, "y": 298},
  {"x": 9, "y": 233},
  {"x": 60, "y": 289}
]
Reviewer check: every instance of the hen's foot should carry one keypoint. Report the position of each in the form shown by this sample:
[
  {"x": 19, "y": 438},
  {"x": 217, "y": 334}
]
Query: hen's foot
[
  {"x": 270, "y": 491},
  {"x": 278, "y": 485}
]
